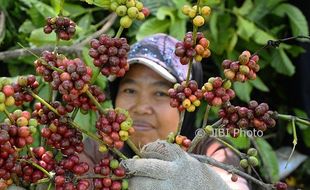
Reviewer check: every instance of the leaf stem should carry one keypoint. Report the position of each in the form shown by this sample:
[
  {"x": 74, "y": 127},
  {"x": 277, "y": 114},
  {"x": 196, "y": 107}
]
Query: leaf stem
[
  {"x": 38, "y": 167},
  {"x": 205, "y": 119},
  {"x": 7, "y": 113},
  {"x": 94, "y": 101},
  {"x": 119, "y": 32},
  {"x": 76, "y": 110},
  {"x": 182, "y": 114},
  {"x": 294, "y": 141},
  {"x": 231, "y": 147}
]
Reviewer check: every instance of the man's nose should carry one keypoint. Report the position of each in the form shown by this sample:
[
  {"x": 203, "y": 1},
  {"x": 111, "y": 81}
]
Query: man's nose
[{"x": 143, "y": 106}]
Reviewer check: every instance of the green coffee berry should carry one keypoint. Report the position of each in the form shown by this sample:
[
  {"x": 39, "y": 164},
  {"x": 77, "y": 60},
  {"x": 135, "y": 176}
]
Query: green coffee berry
[
  {"x": 253, "y": 161},
  {"x": 121, "y": 10},
  {"x": 133, "y": 12},
  {"x": 126, "y": 22},
  {"x": 252, "y": 152},
  {"x": 244, "y": 163}
]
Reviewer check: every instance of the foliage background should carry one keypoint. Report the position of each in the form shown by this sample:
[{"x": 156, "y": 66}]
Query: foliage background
[{"x": 234, "y": 26}]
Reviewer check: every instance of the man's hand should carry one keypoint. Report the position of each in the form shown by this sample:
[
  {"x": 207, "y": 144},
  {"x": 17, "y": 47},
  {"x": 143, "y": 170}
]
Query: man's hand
[{"x": 166, "y": 166}]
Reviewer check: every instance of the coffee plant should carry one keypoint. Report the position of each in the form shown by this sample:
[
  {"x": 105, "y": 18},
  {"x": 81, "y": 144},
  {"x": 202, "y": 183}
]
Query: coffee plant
[{"x": 40, "y": 133}]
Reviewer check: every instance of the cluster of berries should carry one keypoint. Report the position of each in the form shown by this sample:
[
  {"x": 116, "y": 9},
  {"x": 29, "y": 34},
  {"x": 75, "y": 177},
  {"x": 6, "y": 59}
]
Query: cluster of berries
[
  {"x": 20, "y": 93},
  {"x": 114, "y": 127},
  {"x": 41, "y": 157},
  {"x": 185, "y": 96},
  {"x": 6, "y": 94},
  {"x": 182, "y": 141},
  {"x": 192, "y": 48},
  {"x": 58, "y": 132},
  {"x": 217, "y": 91},
  {"x": 64, "y": 27},
  {"x": 110, "y": 55},
  {"x": 255, "y": 115},
  {"x": 108, "y": 167},
  {"x": 129, "y": 10},
  {"x": 67, "y": 171},
  {"x": 242, "y": 70},
  {"x": 198, "y": 14},
  {"x": 251, "y": 159}
]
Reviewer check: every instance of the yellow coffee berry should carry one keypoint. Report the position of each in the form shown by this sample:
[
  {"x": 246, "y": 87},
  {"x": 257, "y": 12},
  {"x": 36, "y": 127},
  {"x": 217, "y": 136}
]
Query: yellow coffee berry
[
  {"x": 186, "y": 103},
  {"x": 126, "y": 22},
  {"x": 198, "y": 21},
  {"x": 191, "y": 108},
  {"x": 205, "y": 10}
]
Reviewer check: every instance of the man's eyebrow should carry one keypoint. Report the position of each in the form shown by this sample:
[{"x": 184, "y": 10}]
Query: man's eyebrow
[
  {"x": 128, "y": 81},
  {"x": 163, "y": 83}
]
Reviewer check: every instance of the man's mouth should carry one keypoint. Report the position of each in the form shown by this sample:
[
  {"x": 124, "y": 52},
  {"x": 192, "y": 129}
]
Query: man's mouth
[{"x": 142, "y": 126}]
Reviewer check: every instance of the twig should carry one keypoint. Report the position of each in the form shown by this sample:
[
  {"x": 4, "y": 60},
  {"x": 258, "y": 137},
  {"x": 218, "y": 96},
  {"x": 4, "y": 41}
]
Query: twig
[
  {"x": 5, "y": 55},
  {"x": 133, "y": 147},
  {"x": 109, "y": 20},
  {"x": 94, "y": 101},
  {"x": 92, "y": 176},
  {"x": 38, "y": 166},
  {"x": 232, "y": 169},
  {"x": 294, "y": 142},
  {"x": 180, "y": 122},
  {"x": 231, "y": 147},
  {"x": 7, "y": 113},
  {"x": 205, "y": 118}
]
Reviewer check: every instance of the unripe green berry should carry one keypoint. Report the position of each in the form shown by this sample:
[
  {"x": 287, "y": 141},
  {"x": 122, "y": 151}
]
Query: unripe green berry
[
  {"x": 227, "y": 84},
  {"x": 243, "y": 69},
  {"x": 130, "y": 3},
  {"x": 17, "y": 113},
  {"x": 125, "y": 184},
  {"x": 7, "y": 121},
  {"x": 141, "y": 16},
  {"x": 253, "y": 161},
  {"x": 33, "y": 122},
  {"x": 244, "y": 163},
  {"x": 10, "y": 101},
  {"x": 252, "y": 152},
  {"x": 133, "y": 12},
  {"x": 123, "y": 135},
  {"x": 2, "y": 107},
  {"x": 126, "y": 22},
  {"x": 33, "y": 129},
  {"x": 114, "y": 6},
  {"x": 125, "y": 125},
  {"x": 2, "y": 97},
  {"x": 198, "y": 20},
  {"x": 121, "y": 10},
  {"x": 171, "y": 137},
  {"x": 121, "y": 2},
  {"x": 114, "y": 164},
  {"x": 192, "y": 13},
  {"x": 186, "y": 9},
  {"x": 22, "y": 81},
  {"x": 211, "y": 79},
  {"x": 139, "y": 6},
  {"x": 208, "y": 129},
  {"x": 103, "y": 148}
]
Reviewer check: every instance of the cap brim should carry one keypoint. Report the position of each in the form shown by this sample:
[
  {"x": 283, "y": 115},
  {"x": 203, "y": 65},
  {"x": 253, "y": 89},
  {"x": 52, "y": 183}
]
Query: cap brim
[{"x": 152, "y": 65}]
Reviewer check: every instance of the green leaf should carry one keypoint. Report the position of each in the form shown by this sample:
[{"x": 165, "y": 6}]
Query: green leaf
[
  {"x": 27, "y": 27},
  {"x": 302, "y": 114},
  {"x": 262, "y": 37},
  {"x": 306, "y": 136},
  {"x": 246, "y": 7},
  {"x": 102, "y": 3},
  {"x": 246, "y": 28},
  {"x": 232, "y": 43},
  {"x": 86, "y": 121},
  {"x": 211, "y": 2},
  {"x": 259, "y": 84},
  {"x": 243, "y": 90},
  {"x": 179, "y": 3},
  {"x": 213, "y": 26},
  {"x": 39, "y": 38},
  {"x": 56, "y": 6},
  {"x": 178, "y": 28},
  {"x": 152, "y": 26},
  {"x": 270, "y": 167},
  {"x": 166, "y": 11},
  {"x": 84, "y": 22},
  {"x": 153, "y": 6},
  {"x": 75, "y": 10},
  {"x": 281, "y": 63},
  {"x": 44, "y": 9},
  {"x": 298, "y": 21},
  {"x": 262, "y": 8},
  {"x": 241, "y": 142}
]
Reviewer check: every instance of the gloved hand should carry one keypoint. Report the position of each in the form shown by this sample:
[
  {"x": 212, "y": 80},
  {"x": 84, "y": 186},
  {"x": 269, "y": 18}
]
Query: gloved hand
[{"x": 166, "y": 166}]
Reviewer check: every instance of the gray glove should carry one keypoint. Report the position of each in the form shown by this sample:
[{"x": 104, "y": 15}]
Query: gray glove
[{"x": 166, "y": 166}]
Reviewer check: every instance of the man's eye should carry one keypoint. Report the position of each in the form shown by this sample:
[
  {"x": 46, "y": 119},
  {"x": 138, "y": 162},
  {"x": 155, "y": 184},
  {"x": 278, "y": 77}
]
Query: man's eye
[
  {"x": 161, "y": 94},
  {"x": 129, "y": 91}
]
